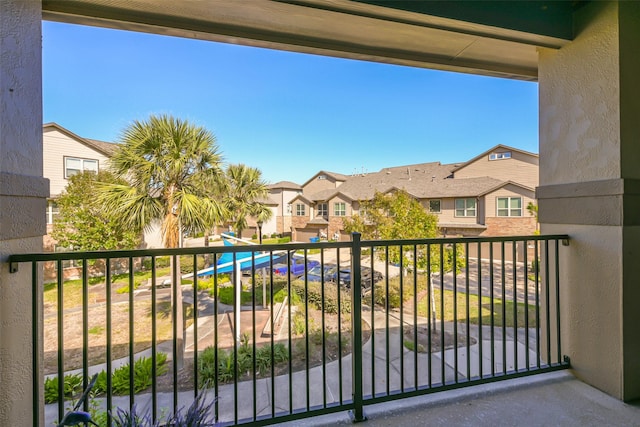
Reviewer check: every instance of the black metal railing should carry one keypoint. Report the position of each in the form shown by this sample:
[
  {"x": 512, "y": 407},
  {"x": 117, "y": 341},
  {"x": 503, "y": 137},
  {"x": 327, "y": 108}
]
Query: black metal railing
[{"x": 270, "y": 333}]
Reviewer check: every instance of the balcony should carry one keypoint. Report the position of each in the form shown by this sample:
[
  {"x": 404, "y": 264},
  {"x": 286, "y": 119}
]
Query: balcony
[{"x": 262, "y": 348}]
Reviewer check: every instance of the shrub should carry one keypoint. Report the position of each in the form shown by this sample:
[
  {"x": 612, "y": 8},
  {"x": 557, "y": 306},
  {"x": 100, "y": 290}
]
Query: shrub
[
  {"x": 186, "y": 264},
  {"x": 207, "y": 361},
  {"x": 72, "y": 387},
  {"x": 161, "y": 262},
  {"x": 263, "y": 357},
  {"x": 393, "y": 296},
  {"x": 314, "y": 296},
  {"x": 299, "y": 326},
  {"x": 142, "y": 376},
  {"x": 535, "y": 266},
  {"x": 227, "y": 293}
]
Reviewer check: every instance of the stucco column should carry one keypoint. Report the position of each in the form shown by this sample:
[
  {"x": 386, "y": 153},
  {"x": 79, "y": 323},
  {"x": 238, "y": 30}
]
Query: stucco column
[
  {"x": 23, "y": 194},
  {"x": 590, "y": 189}
]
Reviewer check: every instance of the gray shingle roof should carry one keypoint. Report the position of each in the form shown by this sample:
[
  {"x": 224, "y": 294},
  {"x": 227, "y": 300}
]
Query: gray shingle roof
[
  {"x": 422, "y": 181},
  {"x": 364, "y": 186},
  {"x": 108, "y": 147},
  {"x": 334, "y": 175},
  {"x": 287, "y": 185}
]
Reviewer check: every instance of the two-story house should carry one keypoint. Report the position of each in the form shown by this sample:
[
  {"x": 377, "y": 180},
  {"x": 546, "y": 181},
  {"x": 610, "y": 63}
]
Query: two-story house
[
  {"x": 486, "y": 195},
  {"x": 64, "y": 155}
]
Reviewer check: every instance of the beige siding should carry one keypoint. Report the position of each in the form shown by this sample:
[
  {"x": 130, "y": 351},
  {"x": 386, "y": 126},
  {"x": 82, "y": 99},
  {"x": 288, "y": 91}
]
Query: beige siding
[
  {"x": 294, "y": 210},
  {"x": 316, "y": 185},
  {"x": 339, "y": 199},
  {"x": 508, "y": 191},
  {"x": 448, "y": 212},
  {"x": 56, "y": 146},
  {"x": 521, "y": 168}
]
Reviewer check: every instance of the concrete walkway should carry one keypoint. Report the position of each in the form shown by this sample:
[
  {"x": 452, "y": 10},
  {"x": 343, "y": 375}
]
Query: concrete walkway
[{"x": 387, "y": 369}]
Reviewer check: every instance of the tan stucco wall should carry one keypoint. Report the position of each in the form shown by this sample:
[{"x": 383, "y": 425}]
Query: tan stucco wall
[
  {"x": 586, "y": 192},
  {"x": 578, "y": 84},
  {"x": 23, "y": 194}
]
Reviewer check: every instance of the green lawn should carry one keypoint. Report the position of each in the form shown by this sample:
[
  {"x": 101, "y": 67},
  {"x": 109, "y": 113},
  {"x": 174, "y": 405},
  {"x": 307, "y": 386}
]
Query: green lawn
[
  {"x": 73, "y": 288},
  {"x": 475, "y": 307}
]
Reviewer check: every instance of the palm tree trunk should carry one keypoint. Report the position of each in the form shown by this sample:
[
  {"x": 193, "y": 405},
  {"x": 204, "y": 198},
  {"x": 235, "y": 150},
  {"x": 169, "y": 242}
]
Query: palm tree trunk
[
  {"x": 177, "y": 305},
  {"x": 172, "y": 232}
]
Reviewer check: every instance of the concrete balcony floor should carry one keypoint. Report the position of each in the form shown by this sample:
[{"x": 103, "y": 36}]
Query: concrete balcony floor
[{"x": 552, "y": 399}]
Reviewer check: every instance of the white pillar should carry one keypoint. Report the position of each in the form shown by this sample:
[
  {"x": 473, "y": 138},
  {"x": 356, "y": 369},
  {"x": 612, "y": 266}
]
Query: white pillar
[
  {"x": 23, "y": 194},
  {"x": 590, "y": 189}
]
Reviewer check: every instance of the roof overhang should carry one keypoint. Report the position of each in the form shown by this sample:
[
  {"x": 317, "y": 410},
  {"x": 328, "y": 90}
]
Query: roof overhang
[{"x": 454, "y": 36}]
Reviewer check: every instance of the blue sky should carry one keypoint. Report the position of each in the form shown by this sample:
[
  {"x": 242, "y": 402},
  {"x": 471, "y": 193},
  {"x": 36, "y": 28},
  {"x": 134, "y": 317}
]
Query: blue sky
[{"x": 288, "y": 114}]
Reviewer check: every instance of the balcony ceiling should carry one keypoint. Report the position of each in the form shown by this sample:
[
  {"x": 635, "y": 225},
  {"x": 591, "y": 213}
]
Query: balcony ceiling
[{"x": 493, "y": 39}]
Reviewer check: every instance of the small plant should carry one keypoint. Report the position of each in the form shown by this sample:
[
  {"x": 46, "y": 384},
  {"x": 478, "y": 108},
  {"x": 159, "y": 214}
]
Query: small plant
[
  {"x": 95, "y": 330},
  {"x": 535, "y": 266},
  {"x": 227, "y": 364},
  {"x": 199, "y": 413},
  {"x": 72, "y": 386},
  {"x": 143, "y": 376}
]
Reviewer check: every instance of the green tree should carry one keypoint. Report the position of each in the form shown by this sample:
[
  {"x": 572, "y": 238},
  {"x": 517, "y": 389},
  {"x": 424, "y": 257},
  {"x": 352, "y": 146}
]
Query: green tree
[
  {"x": 168, "y": 164},
  {"x": 532, "y": 208},
  {"x": 397, "y": 215},
  {"x": 244, "y": 192},
  {"x": 84, "y": 224}
]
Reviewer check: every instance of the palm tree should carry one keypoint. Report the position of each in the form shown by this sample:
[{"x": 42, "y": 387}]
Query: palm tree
[
  {"x": 245, "y": 191},
  {"x": 168, "y": 164}
]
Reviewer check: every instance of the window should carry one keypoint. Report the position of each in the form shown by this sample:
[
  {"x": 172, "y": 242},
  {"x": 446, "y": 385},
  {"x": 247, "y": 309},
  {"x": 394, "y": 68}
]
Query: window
[
  {"x": 74, "y": 165},
  {"x": 68, "y": 263},
  {"x": 323, "y": 210},
  {"x": 322, "y": 176},
  {"x": 509, "y": 206},
  {"x": 434, "y": 206},
  {"x": 500, "y": 156},
  {"x": 52, "y": 210},
  {"x": 339, "y": 209},
  {"x": 300, "y": 209},
  {"x": 465, "y": 207}
]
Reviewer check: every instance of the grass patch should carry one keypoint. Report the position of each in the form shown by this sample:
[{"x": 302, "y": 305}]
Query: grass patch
[
  {"x": 95, "y": 330},
  {"x": 72, "y": 289},
  {"x": 479, "y": 308}
]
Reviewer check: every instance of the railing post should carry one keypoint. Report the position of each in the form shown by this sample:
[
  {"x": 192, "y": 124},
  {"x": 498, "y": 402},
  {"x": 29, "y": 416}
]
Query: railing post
[{"x": 357, "y": 414}]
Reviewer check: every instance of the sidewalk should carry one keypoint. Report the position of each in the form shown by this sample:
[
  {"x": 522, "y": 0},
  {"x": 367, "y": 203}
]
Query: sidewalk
[{"x": 546, "y": 399}]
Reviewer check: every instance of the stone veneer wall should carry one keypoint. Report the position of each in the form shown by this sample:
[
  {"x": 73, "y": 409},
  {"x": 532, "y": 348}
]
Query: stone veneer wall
[{"x": 499, "y": 226}]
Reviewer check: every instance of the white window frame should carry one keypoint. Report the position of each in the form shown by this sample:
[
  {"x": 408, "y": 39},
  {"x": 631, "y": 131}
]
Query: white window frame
[
  {"x": 323, "y": 212},
  {"x": 339, "y": 212},
  {"x": 466, "y": 209},
  {"x": 83, "y": 167},
  {"x": 439, "y": 206},
  {"x": 52, "y": 211},
  {"x": 500, "y": 156},
  {"x": 301, "y": 209},
  {"x": 509, "y": 208}
]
